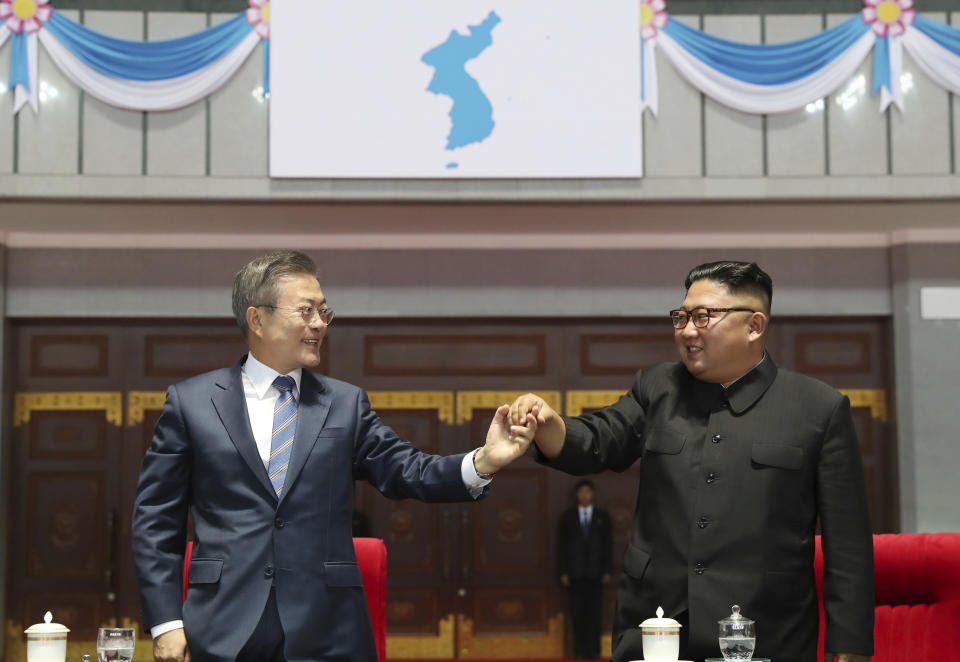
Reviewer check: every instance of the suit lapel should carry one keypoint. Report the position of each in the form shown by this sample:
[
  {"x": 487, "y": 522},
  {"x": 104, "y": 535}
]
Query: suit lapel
[
  {"x": 228, "y": 400},
  {"x": 312, "y": 411}
]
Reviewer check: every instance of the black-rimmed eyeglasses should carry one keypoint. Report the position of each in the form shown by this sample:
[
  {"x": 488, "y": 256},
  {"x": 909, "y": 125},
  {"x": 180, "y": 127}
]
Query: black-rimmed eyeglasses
[
  {"x": 700, "y": 316},
  {"x": 307, "y": 313}
]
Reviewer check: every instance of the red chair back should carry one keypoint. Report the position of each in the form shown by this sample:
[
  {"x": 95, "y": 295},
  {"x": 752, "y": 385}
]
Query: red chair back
[
  {"x": 372, "y": 559},
  {"x": 917, "y": 596}
]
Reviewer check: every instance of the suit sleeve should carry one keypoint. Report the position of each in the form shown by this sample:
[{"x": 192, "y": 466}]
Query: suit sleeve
[
  {"x": 160, "y": 516},
  {"x": 848, "y": 595},
  {"x": 609, "y": 438},
  {"x": 398, "y": 469}
]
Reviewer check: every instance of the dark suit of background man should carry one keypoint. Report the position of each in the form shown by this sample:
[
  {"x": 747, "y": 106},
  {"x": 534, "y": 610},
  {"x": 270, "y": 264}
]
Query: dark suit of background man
[
  {"x": 584, "y": 542},
  {"x": 739, "y": 461},
  {"x": 264, "y": 454}
]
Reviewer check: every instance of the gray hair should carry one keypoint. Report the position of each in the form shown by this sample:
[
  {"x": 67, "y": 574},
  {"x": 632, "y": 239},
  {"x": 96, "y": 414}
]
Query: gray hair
[{"x": 258, "y": 282}]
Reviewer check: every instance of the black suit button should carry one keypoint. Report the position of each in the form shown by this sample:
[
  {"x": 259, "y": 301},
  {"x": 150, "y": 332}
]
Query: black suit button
[
  {"x": 716, "y": 438},
  {"x": 700, "y": 568},
  {"x": 711, "y": 477},
  {"x": 703, "y": 522},
  {"x": 268, "y": 572},
  {"x": 279, "y": 523}
]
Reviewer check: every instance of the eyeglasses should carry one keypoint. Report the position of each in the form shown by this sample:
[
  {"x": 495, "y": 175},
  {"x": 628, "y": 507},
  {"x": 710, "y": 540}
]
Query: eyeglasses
[
  {"x": 700, "y": 316},
  {"x": 307, "y": 313}
]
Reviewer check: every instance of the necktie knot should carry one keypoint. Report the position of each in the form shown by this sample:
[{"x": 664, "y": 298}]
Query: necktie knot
[{"x": 284, "y": 383}]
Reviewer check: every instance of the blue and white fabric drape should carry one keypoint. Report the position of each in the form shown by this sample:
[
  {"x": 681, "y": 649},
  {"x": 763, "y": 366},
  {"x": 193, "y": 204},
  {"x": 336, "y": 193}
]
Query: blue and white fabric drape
[
  {"x": 137, "y": 75},
  {"x": 777, "y": 78},
  {"x": 752, "y": 78}
]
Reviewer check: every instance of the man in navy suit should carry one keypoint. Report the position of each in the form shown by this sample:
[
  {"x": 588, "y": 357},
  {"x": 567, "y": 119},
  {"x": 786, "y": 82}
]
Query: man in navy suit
[{"x": 264, "y": 454}]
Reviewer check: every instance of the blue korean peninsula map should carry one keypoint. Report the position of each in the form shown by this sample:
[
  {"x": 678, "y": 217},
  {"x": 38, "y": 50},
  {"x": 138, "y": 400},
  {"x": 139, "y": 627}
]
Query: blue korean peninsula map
[{"x": 472, "y": 112}]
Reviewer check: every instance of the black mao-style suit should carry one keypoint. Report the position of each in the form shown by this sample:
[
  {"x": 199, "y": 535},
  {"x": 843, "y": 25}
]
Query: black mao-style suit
[
  {"x": 732, "y": 484},
  {"x": 584, "y": 557},
  {"x": 203, "y": 458}
]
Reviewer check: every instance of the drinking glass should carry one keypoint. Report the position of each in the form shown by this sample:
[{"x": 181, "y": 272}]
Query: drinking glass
[
  {"x": 115, "y": 644},
  {"x": 738, "y": 637}
]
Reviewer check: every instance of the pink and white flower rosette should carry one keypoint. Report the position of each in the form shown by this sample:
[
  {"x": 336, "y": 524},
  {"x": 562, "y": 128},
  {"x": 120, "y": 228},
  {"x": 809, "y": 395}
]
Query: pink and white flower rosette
[
  {"x": 259, "y": 15},
  {"x": 888, "y": 17},
  {"x": 653, "y": 17},
  {"x": 29, "y": 15}
]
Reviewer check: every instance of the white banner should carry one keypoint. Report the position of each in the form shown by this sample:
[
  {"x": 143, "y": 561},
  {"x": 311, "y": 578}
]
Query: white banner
[{"x": 437, "y": 88}]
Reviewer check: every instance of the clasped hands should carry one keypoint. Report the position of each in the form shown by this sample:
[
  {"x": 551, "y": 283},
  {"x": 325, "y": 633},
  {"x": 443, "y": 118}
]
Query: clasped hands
[{"x": 514, "y": 427}]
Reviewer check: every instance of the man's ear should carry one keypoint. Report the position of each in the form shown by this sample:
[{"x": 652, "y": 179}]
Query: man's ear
[
  {"x": 254, "y": 321},
  {"x": 757, "y": 326}
]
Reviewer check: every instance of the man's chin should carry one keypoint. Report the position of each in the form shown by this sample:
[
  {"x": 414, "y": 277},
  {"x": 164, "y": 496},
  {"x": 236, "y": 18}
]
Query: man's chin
[{"x": 311, "y": 361}]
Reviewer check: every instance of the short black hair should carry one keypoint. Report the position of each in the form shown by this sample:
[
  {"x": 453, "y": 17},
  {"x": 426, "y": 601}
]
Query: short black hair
[
  {"x": 738, "y": 277},
  {"x": 584, "y": 482}
]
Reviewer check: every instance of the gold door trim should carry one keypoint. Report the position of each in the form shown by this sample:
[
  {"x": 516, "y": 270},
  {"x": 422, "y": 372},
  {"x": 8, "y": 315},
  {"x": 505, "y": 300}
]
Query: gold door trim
[
  {"x": 549, "y": 645},
  {"x": 578, "y": 401},
  {"x": 874, "y": 398},
  {"x": 424, "y": 647},
  {"x": 467, "y": 401},
  {"x": 139, "y": 402},
  {"x": 110, "y": 402},
  {"x": 442, "y": 401}
]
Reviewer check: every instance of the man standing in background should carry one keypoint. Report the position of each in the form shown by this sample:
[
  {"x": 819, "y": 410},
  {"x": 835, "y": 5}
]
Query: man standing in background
[{"x": 584, "y": 542}]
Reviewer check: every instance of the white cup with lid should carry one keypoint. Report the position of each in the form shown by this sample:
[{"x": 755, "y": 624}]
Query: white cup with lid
[
  {"x": 47, "y": 641},
  {"x": 660, "y": 638}
]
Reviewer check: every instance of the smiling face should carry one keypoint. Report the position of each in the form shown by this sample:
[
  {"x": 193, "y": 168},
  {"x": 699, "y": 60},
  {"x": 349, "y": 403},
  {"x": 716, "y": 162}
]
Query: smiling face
[
  {"x": 731, "y": 344},
  {"x": 280, "y": 338}
]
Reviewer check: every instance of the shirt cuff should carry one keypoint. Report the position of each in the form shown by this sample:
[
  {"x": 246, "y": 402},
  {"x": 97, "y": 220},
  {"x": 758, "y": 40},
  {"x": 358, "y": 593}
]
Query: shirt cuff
[
  {"x": 163, "y": 628},
  {"x": 471, "y": 480}
]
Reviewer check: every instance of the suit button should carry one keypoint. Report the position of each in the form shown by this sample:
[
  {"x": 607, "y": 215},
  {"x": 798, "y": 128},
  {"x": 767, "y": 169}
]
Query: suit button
[
  {"x": 716, "y": 438},
  {"x": 279, "y": 523},
  {"x": 699, "y": 568},
  {"x": 268, "y": 572},
  {"x": 711, "y": 477},
  {"x": 703, "y": 522}
]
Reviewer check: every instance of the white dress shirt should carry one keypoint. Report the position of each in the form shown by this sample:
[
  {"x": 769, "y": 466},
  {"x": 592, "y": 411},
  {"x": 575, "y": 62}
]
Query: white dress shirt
[
  {"x": 586, "y": 513},
  {"x": 261, "y": 397}
]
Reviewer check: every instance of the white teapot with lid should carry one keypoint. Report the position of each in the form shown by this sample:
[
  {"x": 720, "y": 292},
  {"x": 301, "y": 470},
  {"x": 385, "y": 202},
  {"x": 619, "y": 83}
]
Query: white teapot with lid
[{"x": 47, "y": 641}]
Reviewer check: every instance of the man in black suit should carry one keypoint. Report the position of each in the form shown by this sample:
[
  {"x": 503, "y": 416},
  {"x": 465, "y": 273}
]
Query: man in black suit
[
  {"x": 584, "y": 544},
  {"x": 740, "y": 460}
]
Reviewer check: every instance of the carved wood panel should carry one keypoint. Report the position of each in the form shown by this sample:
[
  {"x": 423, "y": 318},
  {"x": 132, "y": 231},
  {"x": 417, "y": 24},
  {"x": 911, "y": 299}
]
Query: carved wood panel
[
  {"x": 442, "y": 354},
  {"x": 65, "y": 511},
  {"x": 69, "y": 356}
]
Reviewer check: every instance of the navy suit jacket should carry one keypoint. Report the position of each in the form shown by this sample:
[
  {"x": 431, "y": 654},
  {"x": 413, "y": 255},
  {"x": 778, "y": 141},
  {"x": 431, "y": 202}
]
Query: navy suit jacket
[{"x": 203, "y": 459}]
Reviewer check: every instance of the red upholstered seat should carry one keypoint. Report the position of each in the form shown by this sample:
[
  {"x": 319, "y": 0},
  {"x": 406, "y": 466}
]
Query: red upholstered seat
[
  {"x": 372, "y": 559},
  {"x": 917, "y": 590}
]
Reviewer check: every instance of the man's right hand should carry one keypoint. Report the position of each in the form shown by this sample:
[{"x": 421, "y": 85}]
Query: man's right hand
[
  {"x": 551, "y": 430},
  {"x": 171, "y": 647}
]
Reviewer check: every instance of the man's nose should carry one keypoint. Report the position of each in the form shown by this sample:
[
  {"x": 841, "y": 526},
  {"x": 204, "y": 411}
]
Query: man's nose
[{"x": 690, "y": 330}]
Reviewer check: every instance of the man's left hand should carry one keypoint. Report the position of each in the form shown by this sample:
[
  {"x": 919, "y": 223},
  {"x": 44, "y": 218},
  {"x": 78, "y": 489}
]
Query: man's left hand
[
  {"x": 505, "y": 442},
  {"x": 846, "y": 657}
]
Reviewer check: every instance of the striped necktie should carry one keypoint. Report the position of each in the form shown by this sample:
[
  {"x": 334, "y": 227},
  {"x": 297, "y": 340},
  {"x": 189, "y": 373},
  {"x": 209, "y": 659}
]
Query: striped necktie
[{"x": 284, "y": 426}]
